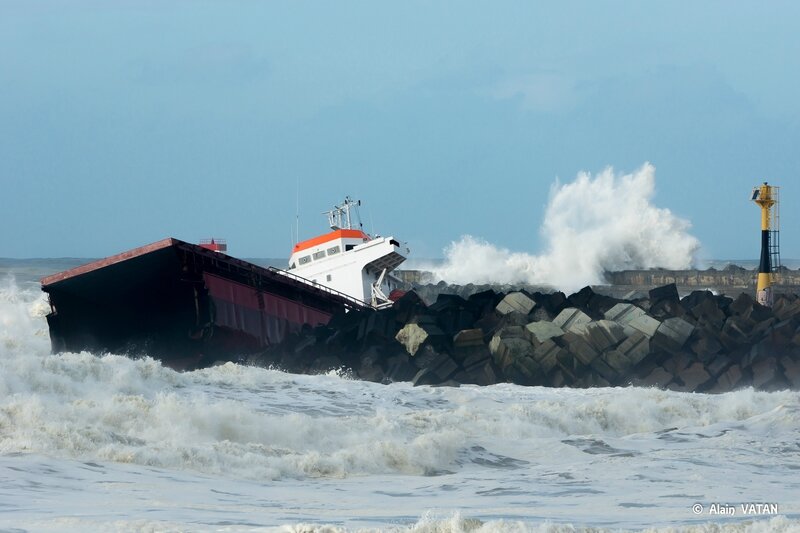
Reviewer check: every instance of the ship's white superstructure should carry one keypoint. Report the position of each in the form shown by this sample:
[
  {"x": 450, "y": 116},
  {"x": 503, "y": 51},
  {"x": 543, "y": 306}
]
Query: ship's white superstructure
[{"x": 349, "y": 260}]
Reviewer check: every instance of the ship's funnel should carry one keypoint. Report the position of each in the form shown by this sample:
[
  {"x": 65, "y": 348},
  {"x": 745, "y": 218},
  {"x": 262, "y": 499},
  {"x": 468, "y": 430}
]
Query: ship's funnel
[{"x": 766, "y": 196}]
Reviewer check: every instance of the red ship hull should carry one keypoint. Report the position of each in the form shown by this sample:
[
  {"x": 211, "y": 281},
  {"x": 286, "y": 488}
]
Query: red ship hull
[{"x": 181, "y": 303}]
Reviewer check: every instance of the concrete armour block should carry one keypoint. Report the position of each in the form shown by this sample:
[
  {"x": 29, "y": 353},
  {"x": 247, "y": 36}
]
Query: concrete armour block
[
  {"x": 718, "y": 365},
  {"x": 729, "y": 379},
  {"x": 617, "y": 360},
  {"x": 528, "y": 367},
  {"x": 511, "y": 332},
  {"x": 706, "y": 346},
  {"x": 505, "y": 350},
  {"x": 623, "y": 313},
  {"x": 604, "y": 370},
  {"x": 657, "y": 378},
  {"x": 515, "y": 302},
  {"x": 572, "y": 319},
  {"x": 578, "y": 347},
  {"x": 481, "y": 374},
  {"x": 734, "y": 333},
  {"x": 636, "y": 347},
  {"x": 672, "y": 334},
  {"x": 764, "y": 371},
  {"x": 791, "y": 371},
  {"x": 786, "y": 309},
  {"x": 444, "y": 366},
  {"x": 694, "y": 376},
  {"x": 604, "y": 334},
  {"x": 425, "y": 376},
  {"x": 666, "y": 292},
  {"x": 742, "y": 306},
  {"x": 546, "y": 354},
  {"x": 707, "y": 313},
  {"x": 538, "y": 332},
  {"x": 412, "y": 336},
  {"x": 644, "y": 324},
  {"x": 468, "y": 337}
]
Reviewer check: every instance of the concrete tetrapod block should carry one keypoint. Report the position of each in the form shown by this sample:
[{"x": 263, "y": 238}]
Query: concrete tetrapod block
[
  {"x": 604, "y": 334},
  {"x": 412, "y": 336},
  {"x": 538, "y": 332},
  {"x": 515, "y": 302},
  {"x": 572, "y": 319},
  {"x": 672, "y": 334}
]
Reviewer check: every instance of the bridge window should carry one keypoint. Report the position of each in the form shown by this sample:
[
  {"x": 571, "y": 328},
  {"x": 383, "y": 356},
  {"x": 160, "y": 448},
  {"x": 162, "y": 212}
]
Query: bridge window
[
  {"x": 319, "y": 255},
  {"x": 306, "y": 259},
  {"x": 334, "y": 250}
]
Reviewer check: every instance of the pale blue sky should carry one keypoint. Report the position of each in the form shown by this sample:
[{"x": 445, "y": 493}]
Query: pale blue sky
[{"x": 123, "y": 122}]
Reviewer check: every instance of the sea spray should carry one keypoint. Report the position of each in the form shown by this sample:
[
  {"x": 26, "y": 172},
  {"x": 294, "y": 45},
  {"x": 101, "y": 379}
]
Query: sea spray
[{"x": 592, "y": 225}]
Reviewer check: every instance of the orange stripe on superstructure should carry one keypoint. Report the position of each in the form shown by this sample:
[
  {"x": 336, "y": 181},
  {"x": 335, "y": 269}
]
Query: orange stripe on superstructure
[{"x": 338, "y": 234}]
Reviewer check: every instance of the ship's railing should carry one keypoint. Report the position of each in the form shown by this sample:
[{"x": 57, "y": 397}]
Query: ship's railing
[{"x": 324, "y": 288}]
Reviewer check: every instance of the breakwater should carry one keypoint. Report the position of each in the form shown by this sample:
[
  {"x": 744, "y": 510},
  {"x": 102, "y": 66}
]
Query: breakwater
[
  {"x": 703, "y": 342},
  {"x": 730, "y": 280}
]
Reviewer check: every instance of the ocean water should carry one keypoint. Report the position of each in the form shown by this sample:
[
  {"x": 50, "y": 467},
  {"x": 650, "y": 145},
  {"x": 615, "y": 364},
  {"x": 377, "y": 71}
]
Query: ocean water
[{"x": 107, "y": 443}]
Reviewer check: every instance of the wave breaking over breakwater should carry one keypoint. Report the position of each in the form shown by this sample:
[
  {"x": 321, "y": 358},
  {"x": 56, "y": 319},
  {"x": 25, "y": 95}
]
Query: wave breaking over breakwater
[
  {"x": 593, "y": 224},
  {"x": 92, "y": 443}
]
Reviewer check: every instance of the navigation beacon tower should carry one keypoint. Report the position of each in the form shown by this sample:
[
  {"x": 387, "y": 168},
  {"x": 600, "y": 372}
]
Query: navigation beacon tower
[{"x": 766, "y": 196}]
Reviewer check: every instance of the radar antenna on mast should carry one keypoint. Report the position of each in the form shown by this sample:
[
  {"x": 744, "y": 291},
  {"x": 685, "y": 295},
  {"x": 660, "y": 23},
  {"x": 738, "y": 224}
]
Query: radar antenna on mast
[{"x": 339, "y": 217}]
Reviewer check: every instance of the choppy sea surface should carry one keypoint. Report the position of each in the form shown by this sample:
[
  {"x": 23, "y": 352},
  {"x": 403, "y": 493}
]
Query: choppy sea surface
[{"x": 108, "y": 443}]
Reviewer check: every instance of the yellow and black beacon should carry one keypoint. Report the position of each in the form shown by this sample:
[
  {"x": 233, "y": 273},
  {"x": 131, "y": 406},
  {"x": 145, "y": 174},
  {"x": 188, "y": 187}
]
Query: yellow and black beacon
[{"x": 766, "y": 196}]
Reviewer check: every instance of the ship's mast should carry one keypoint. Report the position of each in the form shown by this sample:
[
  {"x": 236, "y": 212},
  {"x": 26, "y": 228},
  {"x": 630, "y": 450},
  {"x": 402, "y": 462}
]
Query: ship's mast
[
  {"x": 339, "y": 217},
  {"x": 766, "y": 196}
]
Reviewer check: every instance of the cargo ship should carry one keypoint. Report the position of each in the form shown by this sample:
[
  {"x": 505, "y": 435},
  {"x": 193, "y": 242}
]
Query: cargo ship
[{"x": 191, "y": 305}]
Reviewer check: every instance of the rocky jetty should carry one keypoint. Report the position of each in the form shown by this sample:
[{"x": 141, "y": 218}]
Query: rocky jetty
[{"x": 700, "y": 343}]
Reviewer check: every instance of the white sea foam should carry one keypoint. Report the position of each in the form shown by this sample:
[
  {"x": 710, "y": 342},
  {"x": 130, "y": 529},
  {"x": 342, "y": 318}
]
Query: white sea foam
[
  {"x": 592, "y": 225},
  {"x": 128, "y": 444}
]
